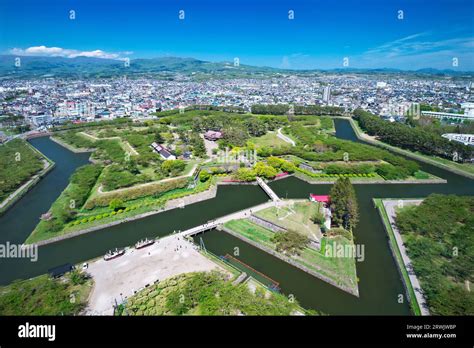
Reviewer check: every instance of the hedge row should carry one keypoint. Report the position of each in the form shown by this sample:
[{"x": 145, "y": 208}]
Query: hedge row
[
  {"x": 136, "y": 192},
  {"x": 323, "y": 175},
  {"x": 159, "y": 201}
]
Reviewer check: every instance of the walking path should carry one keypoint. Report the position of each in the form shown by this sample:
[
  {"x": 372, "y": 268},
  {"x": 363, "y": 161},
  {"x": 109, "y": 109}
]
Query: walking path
[
  {"x": 100, "y": 189},
  {"x": 389, "y": 206},
  {"x": 267, "y": 189},
  {"x": 285, "y": 138},
  {"x": 126, "y": 145},
  {"x": 238, "y": 215}
]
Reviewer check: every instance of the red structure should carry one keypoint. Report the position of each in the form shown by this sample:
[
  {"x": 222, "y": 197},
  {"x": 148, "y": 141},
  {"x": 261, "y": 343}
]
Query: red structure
[
  {"x": 319, "y": 198},
  {"x": 212, "y": 135}
]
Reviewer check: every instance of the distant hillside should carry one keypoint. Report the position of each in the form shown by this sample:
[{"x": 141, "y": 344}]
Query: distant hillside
[
  {"x": 86, "y": 67},
  {"x": 95, "y": 67}
]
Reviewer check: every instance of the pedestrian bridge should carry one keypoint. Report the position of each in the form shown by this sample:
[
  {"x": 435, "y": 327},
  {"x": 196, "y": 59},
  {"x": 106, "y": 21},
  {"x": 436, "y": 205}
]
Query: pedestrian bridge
[
  {"x": 268, "y": 190},
  {"x": 242, "y": 214}
]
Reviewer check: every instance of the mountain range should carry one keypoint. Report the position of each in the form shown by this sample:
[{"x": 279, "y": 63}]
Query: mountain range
[{"x": 87, "y": 67}]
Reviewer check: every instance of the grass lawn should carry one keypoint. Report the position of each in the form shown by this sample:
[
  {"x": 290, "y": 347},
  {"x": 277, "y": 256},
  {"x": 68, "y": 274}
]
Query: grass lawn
[
  {"x": 252, "y": 231},
  {"x": 19, "y": 162},
  {"x": 296, "y": 217},
  {"x": 123, "y": 144},
  {"x": 388, "y": 227},
  {"x": 341, "y": 270},
  {"x": 207, "y": 293},
  {"x": 44, "y": 296},
  {"x": 7, "y": 131},
  {"x": 99, "y": 216},
  {"x": 268, "y": 140}
]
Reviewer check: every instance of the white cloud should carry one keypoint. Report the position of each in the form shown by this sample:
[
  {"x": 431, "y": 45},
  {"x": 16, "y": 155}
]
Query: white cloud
[
  {"x": 420, "y": 51},
  {"x": 65, "y": 52},
  {"x": 418, "y": 44},
  {"x": 285, "y": 63}
]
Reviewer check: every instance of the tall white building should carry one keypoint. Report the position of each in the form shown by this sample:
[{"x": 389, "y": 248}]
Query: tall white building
[
  {"x": 468, "y": 109},
  {"x": 327, "y": 94}
]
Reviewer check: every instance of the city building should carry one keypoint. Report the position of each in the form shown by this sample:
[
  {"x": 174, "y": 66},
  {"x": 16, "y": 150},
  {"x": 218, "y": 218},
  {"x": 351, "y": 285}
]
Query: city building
[
  {"x": 466, "y": 139},
  {"x": 327, "y": 95},
  {"x": 163, "y": 151},
  {"x": 212, "y": 135}
]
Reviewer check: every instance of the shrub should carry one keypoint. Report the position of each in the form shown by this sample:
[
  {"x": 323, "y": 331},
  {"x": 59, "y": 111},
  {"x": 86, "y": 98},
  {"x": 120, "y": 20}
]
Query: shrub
[
  {"x": 390, "y": 172},
  {"x": 290, "y": 241},
  {"x": 245, "y": 174},
  {"x": 173, "y": 167},
  {"x": 204, "y": 175},
  {"x": 421, "y": 175},
  {"x": 266, "y": 171},
  {"x": 339, "y": 231},
  {"x": 318, "y": 218},
  {"x": 137, "y": 192},
  {"x": 116, "y": 204}
]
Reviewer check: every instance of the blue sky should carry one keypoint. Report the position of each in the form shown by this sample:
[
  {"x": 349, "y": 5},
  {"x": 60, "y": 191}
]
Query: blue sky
[{"x": 321, "y": 35}]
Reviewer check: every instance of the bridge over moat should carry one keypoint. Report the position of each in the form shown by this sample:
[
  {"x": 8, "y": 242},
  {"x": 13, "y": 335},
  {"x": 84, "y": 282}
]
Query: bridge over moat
[{"x": 275, "y": 201}]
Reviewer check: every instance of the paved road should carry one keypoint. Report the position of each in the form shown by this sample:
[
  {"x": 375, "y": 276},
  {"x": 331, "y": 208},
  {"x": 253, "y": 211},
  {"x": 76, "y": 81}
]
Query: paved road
[
  {"x": 285, "y": 138},
  {"x": 390, "y": 206}
]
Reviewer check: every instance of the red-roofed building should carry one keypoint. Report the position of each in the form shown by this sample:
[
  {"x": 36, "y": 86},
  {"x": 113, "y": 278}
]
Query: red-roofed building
[
  {"x": 212, "y": 135},
  {"x": 319, "y": 198},
  {"x": 325, "y": 209}
]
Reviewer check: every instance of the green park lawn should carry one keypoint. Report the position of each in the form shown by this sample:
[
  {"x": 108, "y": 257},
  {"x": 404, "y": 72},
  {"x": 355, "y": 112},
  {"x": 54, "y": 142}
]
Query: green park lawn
[
  {"x": 341, "y": 270},
  {"x": 296, "y": 217},
  {"x": 45, "y": 296},
  {"x": 199, "y": 292},
  {"x": 19, "y": 162},
  {"x": 270, "y": 139},
  {"x": 98, "y": 216}
]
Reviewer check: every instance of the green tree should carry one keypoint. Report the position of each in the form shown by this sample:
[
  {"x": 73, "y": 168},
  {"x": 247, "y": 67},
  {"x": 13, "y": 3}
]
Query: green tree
[
  {"x": 318, "y": 218},
  {"x": 199, "y": 149},
  {"x": 204, "y": 175},
  {"x": 158, "y": 138},
  {"x": 344, "y": 204},
  {"x": 116, "y": 204},
  {"x": 235, "y": 135},
  {"x": 245, "y": 174},
  {"x": 290, "y": 242},
  {"x": 173, "y": 167},
  {"x": 266, "y": 171}
]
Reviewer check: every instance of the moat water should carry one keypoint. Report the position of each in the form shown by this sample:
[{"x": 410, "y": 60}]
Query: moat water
[{"x": 379, "y": 281}]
